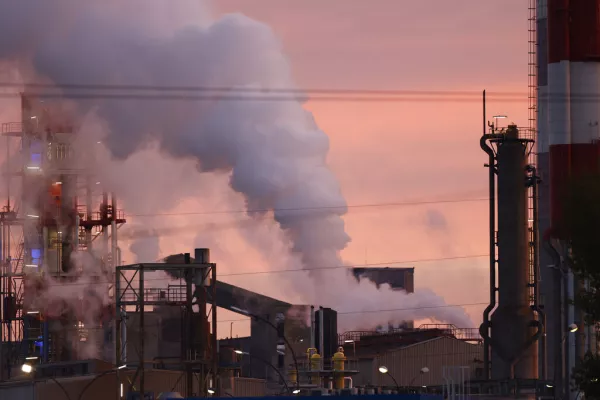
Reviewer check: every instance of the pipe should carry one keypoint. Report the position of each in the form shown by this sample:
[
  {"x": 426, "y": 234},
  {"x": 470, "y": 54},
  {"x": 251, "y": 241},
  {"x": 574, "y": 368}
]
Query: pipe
[
  {"x": 312, "y": 327},
  {"x": 321, "y": 335},
  {"x": 113, "y": 231},
  {"x": 76, "y": 236},
  {"x": 45, "y": 248},
  {"x": 558, "y": 329},
  {"x": 123, "y": 336},
  {"x": 492, "y": 249},
  {"x": 536, "y": 271},
  {"x": 349, "y": 378}
]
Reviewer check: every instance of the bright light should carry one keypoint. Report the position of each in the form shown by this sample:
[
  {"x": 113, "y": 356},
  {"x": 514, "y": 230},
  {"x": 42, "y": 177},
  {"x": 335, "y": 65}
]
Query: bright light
[
  {"x": 424, "y": 370},
  {"x": 573, "y": 328},
  {"x": 424, "y": 386},
  {"x": 33, "y": 312},
  {"x": 210, "y": 391},
  {"x": 549, "y": 385},
  {"x": 97, "y": 183},
  {"x": 121, "y": 390},
  {"x": 33, "y": 216},
  {"x": 239, "y": 310},
  {"x": 296, "y": 391},
  {"x": 383, "y": 369},
  {"x": 31, "y": 358},
  {"x": 26, "y": 368},
  {"x": 98, "y": 142},
  {"x": 349, "y": 341},
  {"x": 122, "y": 366},
  {"x": 58, "y": 183},
  {"x": 31, "y": 265},
  {"x": 34, "y": 117},
  {"x": 500, "y": 116},
  {"x": 33, "y": 167}
]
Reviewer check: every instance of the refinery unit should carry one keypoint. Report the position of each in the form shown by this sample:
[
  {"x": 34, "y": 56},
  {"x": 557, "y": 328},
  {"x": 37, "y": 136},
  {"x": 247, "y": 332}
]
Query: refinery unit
[{"x": 164, "y": 340}]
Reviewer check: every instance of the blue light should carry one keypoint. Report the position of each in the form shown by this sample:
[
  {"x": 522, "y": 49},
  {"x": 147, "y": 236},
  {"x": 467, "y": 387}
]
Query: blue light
[
  {"x": 36, "y": 158},
  {"x": 36, "y": 253}
]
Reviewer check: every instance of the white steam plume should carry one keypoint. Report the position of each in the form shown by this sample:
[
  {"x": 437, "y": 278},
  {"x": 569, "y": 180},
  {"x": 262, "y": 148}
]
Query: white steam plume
[{"x": 273, "y": 150}]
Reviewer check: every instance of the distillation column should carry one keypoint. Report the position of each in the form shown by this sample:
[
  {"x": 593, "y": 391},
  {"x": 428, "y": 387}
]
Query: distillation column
[{"x": 514, "y": 327}]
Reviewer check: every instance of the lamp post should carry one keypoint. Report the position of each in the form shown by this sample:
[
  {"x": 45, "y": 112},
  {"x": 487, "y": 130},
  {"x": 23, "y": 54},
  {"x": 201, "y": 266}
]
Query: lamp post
[
  {"x": 496, "y": 118},
  {"x": 28, "y": 368},
  {"x": 245, "y": 353},
  {"x": 423, "y": 371},
  {"x": 86, "y": 387},
  {"x": 385, "y": 371},
  {"x": 266, "y": 321},
  {"x": 572, "y": 328},
  {"x": 353, "y": 351}
]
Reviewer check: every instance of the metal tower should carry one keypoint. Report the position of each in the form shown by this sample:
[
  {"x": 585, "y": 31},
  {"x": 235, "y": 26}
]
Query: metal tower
[{"x": 43, "y": 225}]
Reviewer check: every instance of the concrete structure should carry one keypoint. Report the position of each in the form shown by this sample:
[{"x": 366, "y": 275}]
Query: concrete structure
[{"x": 568, "y": 36}]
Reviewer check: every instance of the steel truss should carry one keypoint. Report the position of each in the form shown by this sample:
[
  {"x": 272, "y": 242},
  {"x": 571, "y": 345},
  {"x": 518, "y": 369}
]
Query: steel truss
[{"x": 199, "y": 337}]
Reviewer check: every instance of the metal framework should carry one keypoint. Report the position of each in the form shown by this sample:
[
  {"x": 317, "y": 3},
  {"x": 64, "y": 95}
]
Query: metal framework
[
  {"x": 199, "y": 337},
  {"x": 41, "y": 224}
]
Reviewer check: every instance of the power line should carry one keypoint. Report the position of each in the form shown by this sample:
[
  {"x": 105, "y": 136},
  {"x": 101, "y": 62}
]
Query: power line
[
  {"x": 329, "y": 98},
  {"x": 421, "y": 260},
  {"x": 397, "y": 262},
  {"x": 264, "y": 210},
  {"x": 226, "y": 89},
  {"x": 412, "y": 308}
]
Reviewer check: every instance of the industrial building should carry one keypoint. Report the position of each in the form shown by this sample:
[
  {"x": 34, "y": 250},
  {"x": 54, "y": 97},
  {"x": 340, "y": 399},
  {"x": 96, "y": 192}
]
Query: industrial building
[{"x": 163, "y": 340}]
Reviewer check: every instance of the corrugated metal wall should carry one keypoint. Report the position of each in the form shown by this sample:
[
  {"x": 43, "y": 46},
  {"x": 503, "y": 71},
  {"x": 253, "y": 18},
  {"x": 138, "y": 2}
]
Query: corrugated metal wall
[
  {"x": 248, "y": 387},
  {"x": 405, "y": 364}
]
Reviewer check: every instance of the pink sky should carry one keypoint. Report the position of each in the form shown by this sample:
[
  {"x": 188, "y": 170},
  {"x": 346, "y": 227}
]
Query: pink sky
[{"x": 403, "y": 151}]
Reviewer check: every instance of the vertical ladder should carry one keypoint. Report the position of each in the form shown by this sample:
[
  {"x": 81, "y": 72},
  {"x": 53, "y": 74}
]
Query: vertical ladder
[{"x": 532, "y": 116}]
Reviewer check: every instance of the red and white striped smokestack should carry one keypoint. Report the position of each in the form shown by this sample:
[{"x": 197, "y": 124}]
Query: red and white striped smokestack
[{"x": 569, "y": 103}]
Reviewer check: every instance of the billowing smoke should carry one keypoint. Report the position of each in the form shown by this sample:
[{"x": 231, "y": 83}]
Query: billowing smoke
[{"x": 273, "y": 151}]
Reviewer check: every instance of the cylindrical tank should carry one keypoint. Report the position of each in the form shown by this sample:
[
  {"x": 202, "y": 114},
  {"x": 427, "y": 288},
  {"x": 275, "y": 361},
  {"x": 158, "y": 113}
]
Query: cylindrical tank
[
  {"x": 339, "y": 360},
  {"x": 511, "y": 329}
]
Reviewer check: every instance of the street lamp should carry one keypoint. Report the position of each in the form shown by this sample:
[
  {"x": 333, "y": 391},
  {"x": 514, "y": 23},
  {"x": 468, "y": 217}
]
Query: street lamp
[
  {"x": 496, "y": 118},
  {"x": 28, "y": 368},
  {"x": 86, "y": 387},
  {"x": 385, "y": 371},
  {"x": 353, "y": 351},
  {"x": 266, "y": 321},
  {"x": 423, "y": 371},
  {"x": 572, "y": 328},
  {"x": 245, "y": 353}
]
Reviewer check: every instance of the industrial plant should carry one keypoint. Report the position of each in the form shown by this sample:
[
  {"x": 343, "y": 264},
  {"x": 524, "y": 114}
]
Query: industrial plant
[{"x": 79, "y": 323}]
